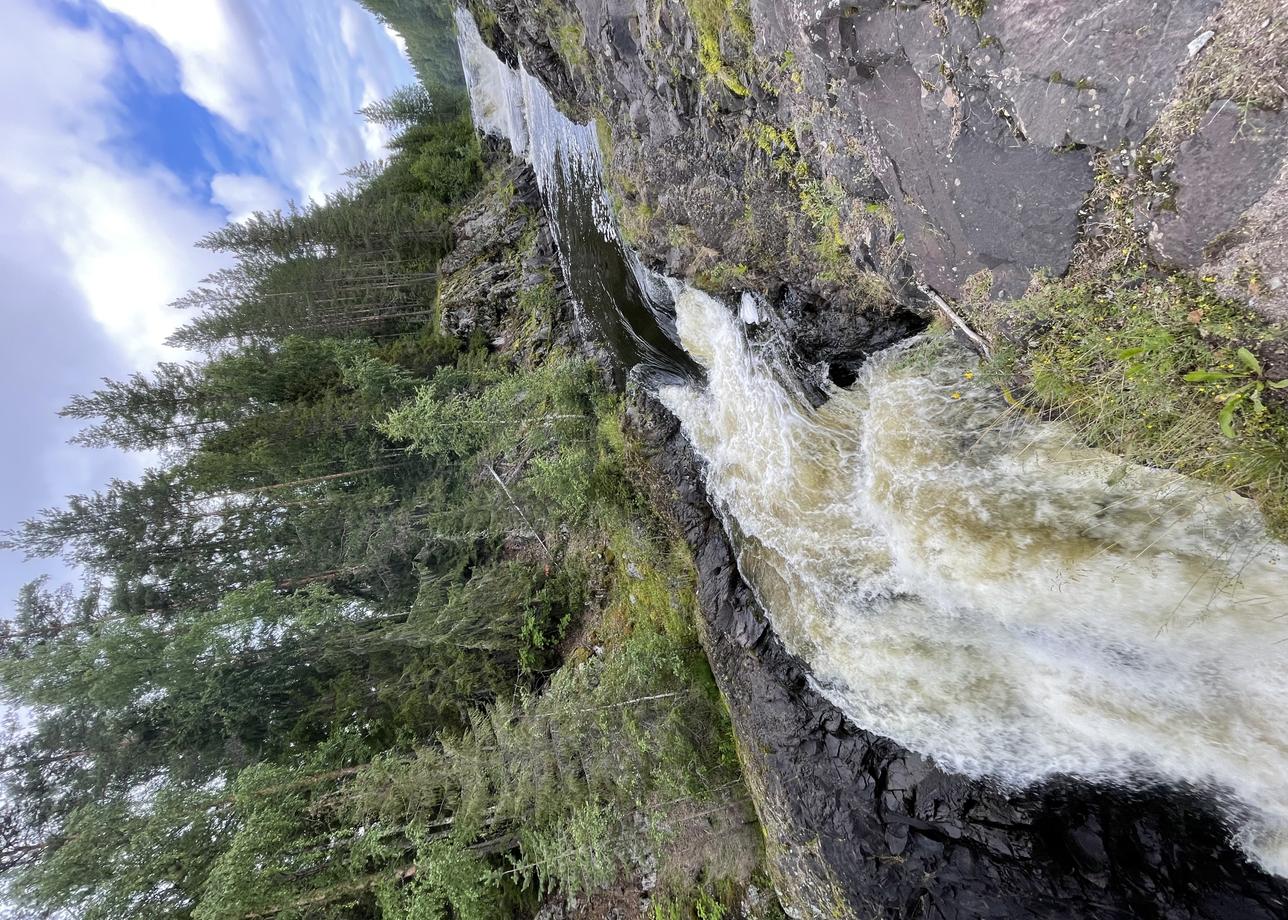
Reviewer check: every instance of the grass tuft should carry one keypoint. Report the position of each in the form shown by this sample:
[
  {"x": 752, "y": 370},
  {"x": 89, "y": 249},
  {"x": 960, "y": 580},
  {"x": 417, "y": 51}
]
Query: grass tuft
[{"x": 1246, "y": 62}]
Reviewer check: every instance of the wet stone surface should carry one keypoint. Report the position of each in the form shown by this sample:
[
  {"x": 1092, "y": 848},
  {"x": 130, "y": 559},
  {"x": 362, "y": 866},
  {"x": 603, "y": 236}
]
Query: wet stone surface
[{"x": 1220, "y": 173}]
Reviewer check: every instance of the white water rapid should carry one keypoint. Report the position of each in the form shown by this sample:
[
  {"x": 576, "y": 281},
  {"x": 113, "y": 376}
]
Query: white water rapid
[
  {"x": 984, "y": 590},
  {"x": 514, "y": 105},
  {"x": 978, "y": 587}
]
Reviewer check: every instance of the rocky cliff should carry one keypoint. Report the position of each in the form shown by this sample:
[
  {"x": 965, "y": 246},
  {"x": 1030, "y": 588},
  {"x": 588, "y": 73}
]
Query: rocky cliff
[{"x": 854, "y": 151}]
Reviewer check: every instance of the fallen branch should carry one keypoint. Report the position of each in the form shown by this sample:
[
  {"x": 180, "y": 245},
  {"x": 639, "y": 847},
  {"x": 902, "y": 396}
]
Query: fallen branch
[
  {"x": 499, "y": 481},
  {"x": 960, "y": 324}
]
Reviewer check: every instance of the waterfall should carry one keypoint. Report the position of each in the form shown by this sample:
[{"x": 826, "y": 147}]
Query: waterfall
[
  {"x": 983, "y": 589},
  {"x": 628, "y": 306},
  {"x": 514, "y": 105},
  {"x": 977, "y": 586}
]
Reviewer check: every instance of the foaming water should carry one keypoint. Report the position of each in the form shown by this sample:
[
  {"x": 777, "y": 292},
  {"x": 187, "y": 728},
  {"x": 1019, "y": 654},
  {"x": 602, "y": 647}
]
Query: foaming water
[
  {"x": 628, "y": 305},
  {"x": 984, "y": 589}
]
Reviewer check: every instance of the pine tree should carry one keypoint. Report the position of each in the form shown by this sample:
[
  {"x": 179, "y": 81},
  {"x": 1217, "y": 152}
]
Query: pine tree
[{"x": 408, "y": 105}]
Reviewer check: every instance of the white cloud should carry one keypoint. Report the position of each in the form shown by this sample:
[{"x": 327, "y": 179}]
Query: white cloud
[
  {"x": 243, "y": 195},
  {"x": 287, "y": 78},
  {"x": 125, "y": 233},
  {"x": 290, "y": 75},
  {"x": 218, "y": 59}
]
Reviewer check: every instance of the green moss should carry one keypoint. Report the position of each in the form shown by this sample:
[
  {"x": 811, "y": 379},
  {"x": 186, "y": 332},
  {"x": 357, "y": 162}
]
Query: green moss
[
  {"x": 773, "y": 141},
  {"x": 723, "y": 276},
  {"x": 567, "y": 35},
  {"x": 570, "y": 41},
  {"x": 723, "y": 25},
  {"x": 972, "y": 8},
  {"x": 821, "y": 203},
  {"x": 636, "y": 221},
  {"x": 879, "y": 211},
  {"x": 604, "y": 134}
]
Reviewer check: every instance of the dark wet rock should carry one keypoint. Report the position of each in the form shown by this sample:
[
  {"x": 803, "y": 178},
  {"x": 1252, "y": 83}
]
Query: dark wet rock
[
  {"x": 1221, "y": 172},
  {"x": 881, "y": 100},
  {"x": 490, "y": 265},
  {"x": 858, "y": 826},
  {"x": 967, "y": 196},
  {"x": 828, "y": 343}
]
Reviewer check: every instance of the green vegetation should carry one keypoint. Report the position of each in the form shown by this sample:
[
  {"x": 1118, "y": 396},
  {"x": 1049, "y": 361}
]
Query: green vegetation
[
  {"x": 1244, "y": 383},
  {"x": 570, "y": 42},
  {"x": 1243, "y": 62},
  {"x": 821, "y": 202},
  {"x": 775, "y": 143},
  {"x": 970, "y": 8},
  {"x": 724, "y": 276},
  {"x": 1155, "y": 365},
  {"x": 389, "y": 630},
  {"x": 430, "y": 33},
  {"x": 725, "y": 39}
]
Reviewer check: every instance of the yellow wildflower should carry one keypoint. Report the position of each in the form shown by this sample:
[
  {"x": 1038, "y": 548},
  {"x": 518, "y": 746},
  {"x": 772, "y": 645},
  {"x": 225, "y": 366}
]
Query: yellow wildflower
[{"x": 957, "y": 395}]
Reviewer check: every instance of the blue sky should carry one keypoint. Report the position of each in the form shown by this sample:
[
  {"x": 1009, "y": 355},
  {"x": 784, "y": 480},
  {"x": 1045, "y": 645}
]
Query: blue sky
[{"x": 130, "y": 128}]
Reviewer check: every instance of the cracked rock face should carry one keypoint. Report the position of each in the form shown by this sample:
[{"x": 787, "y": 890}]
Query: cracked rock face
[
  {"x": 970, "y": 193},
  {"x": 967, "y": 196},
  {"x": 974, "y": 135},
  {"x": 1228, "y": 215},
  {"x": 1221, "y": 172},
  {"x": 1096, "y": 73}
]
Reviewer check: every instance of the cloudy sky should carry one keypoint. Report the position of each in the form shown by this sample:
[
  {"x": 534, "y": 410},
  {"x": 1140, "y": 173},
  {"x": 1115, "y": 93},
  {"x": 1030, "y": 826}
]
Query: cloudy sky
[{"x": 129, "y": 129}]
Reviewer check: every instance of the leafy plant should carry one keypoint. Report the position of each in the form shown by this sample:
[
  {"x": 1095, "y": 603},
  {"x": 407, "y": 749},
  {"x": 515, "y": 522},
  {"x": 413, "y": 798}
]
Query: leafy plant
[{"x": 1246, "y": 396}]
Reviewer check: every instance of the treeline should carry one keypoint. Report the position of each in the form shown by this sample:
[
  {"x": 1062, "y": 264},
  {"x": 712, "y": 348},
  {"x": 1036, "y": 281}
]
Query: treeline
[
  {"x": 317, "y": 669},
  {"x": 428, "y": 28}
]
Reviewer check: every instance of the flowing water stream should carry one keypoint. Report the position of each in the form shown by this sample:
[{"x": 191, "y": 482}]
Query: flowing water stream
[
  {"x": 977, "y": 586},
  {"x": 628, "y": 306}
]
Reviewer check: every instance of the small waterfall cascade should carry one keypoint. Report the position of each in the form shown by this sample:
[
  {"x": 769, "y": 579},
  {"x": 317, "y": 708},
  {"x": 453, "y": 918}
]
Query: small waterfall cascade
[
  {"x": 980, "y": 587},
  {"x": 984, "y": 589},
  {"x": 627, "y": 304}
]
